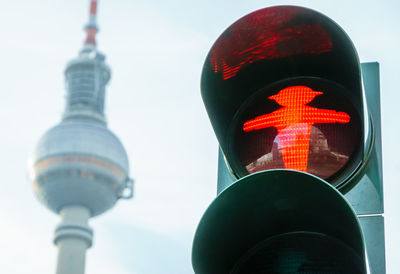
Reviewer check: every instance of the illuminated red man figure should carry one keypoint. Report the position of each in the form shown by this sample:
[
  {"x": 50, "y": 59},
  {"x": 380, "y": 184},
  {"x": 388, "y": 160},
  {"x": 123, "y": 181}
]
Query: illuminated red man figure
[{"x": 294, "y": 121}]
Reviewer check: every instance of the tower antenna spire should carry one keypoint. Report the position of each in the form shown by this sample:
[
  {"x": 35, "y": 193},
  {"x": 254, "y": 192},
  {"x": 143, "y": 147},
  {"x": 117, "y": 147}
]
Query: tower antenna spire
[{"x": 91, "y": 27}]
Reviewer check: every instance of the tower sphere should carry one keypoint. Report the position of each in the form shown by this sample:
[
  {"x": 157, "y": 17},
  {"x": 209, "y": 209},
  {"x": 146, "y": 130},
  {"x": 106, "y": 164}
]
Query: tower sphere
[{"x": 79, "y": 162}]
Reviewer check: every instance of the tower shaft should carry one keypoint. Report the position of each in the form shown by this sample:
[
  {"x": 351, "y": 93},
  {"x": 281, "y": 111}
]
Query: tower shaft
[{"x": 72, "y": 237}]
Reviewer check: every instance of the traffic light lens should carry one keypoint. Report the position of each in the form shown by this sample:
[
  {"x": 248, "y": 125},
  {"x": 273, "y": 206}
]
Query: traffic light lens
[
  {"x": 308, "y": 129},
  {"x": 300, "y": 252},
  {"x": 267, "y": 34}
]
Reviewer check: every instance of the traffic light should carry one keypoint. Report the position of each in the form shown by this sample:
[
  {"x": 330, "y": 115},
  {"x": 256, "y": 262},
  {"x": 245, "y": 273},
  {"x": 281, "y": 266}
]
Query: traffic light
[
  {"x": 282, "y": 87},
  {"x": 279, "y": 221}
]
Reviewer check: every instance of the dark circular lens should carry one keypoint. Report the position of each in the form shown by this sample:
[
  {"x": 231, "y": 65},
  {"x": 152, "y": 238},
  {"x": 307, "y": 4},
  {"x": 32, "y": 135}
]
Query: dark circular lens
[{"x": 300, "y": 253}]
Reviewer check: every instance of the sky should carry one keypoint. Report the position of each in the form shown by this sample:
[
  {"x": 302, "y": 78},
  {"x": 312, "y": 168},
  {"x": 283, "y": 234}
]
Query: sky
[{"x": 156, "y": 50}]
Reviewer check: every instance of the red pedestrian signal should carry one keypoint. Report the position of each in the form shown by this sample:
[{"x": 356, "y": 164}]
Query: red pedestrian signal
[
  {"x": 294, "y": 123},
  {"x": 303, "y": 124}
]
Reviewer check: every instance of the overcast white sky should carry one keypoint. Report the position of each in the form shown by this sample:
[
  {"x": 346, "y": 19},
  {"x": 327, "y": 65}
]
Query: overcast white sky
[{"x": 156, "y": 50}]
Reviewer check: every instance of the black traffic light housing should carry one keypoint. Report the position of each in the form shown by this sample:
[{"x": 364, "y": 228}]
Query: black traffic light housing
[{"x": 280, "y": 218}]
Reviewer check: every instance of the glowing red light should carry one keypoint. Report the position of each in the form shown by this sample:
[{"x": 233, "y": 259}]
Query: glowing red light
[
  {"x": 294, "y": 122},
  {"x": 267, "y": 34},
  {"x": 93, "y": 7}
]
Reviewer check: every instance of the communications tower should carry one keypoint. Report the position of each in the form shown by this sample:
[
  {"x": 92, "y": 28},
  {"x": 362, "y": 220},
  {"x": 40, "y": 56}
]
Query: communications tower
[{"x": 80, "y": 168}]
